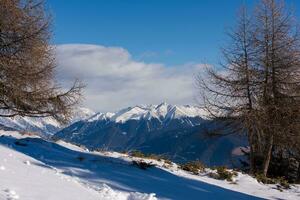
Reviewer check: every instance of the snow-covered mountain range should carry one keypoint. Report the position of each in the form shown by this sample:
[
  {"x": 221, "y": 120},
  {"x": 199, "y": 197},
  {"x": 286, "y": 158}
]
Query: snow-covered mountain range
[
  {"x": 44, "y": 126},
  {"x": 49, "y": 126},
  {"x": 161, "y": 112},
  {"x": 178, "y": 132}
]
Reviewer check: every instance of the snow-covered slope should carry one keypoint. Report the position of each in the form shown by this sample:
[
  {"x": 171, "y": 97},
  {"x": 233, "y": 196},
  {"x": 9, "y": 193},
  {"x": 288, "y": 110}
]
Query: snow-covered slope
[
  {"x": 24, "y": 177},
  {"x": 47, "y": 125},
  {"x": 35, "y": 169},
  {"x": 161, "y": 112}
]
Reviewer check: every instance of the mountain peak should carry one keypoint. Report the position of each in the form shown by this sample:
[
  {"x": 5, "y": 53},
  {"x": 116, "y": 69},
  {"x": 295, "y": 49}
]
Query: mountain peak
[
  {"x": 161, "y": 112},
  {"x": 162, "y": 104}
]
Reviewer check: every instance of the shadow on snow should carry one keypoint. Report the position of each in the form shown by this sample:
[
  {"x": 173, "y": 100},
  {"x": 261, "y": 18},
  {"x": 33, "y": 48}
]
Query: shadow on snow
[{"x": 116, "y": 173}]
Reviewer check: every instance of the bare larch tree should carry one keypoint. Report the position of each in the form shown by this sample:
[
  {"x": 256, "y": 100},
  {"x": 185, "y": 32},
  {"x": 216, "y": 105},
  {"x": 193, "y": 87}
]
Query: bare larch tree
[
  {"x": 27, "y": 64},
  {"x": 257, "y": 89}
]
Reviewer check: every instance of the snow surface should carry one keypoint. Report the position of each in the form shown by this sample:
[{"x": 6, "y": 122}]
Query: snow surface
[
  {"x": 24, "y": 177},
  {"x": 34, "y": 169},
  {"x": 162, "y": 111}
]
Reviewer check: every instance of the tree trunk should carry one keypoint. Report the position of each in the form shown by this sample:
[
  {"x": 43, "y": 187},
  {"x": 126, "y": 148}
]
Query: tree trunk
[
  {"x": 251, "y": 152},
  {"x": 268, "y": 157},
  {"x": 252, "y": 161}
]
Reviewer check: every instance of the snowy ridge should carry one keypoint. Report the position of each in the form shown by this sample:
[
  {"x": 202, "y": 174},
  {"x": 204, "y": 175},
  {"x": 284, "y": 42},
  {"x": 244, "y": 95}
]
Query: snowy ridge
[
  {"x": 161, "y": 112},
  {"x": 44, "y": 126}
]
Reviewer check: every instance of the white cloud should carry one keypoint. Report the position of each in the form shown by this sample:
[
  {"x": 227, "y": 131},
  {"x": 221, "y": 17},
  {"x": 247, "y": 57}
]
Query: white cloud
[{"x": 114, "y": 80}]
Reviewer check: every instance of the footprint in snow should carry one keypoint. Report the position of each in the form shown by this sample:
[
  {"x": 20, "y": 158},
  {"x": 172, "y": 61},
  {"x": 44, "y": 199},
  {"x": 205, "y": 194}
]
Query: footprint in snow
[
  {"x": 11, "y": 194},
  {"x": 27, "y": 162}
]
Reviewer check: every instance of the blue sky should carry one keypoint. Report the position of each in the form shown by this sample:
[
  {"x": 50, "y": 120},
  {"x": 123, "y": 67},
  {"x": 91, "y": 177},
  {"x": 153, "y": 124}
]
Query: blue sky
[
  {"x": 173, "y": 33},
  {"x": 168, "y": 31}
]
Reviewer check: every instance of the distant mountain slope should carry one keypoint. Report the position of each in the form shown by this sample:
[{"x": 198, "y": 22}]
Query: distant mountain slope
[
  {"x": 44, "y": 126},
  {"x": 178, "y": 132}
]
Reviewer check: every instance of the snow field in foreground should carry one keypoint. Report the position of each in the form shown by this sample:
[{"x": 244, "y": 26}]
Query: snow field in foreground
[{"x": 34, "y": 169}]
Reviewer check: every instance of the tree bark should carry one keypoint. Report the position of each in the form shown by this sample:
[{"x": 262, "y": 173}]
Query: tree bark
[
  {"x": 268, "y": 156},
  {"x": 251, "y": 152}
]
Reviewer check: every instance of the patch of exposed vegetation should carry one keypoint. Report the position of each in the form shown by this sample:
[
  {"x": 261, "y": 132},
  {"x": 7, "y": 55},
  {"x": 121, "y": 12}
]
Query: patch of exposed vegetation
[
  {"x": 194, "y": 167},
  {"x": 137, "y": 153},
  {"x": 169, "y": 162},
  {"x": 222, "y": 173},
  {"x": 281, "y": 181},
  {"x": 140, "y": 154}
]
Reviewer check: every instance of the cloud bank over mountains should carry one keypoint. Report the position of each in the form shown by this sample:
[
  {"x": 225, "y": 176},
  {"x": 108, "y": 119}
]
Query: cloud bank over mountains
[{"x": 115, "y": 80}]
